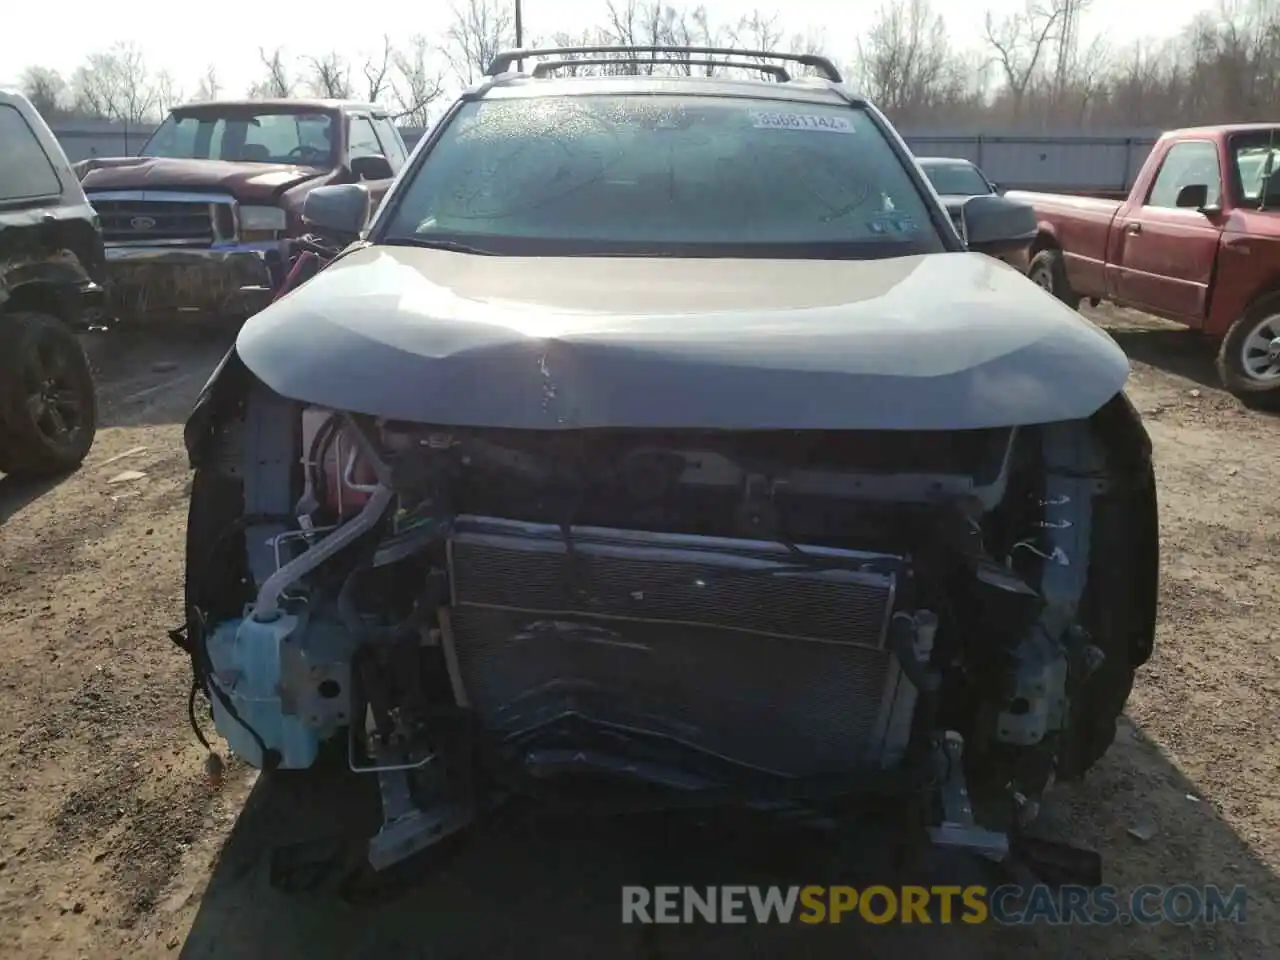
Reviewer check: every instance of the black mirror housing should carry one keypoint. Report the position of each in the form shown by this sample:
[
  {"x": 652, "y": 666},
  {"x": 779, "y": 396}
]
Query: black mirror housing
[
  {"x": 997, "y": 226},
  {"x": 371, "y": 168},
  {"x": 1194, "y": 196},
  {"x": 339, "y": 211}
]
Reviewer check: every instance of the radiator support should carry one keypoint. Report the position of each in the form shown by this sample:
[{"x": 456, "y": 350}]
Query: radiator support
[{"x": 746, "y": 651}]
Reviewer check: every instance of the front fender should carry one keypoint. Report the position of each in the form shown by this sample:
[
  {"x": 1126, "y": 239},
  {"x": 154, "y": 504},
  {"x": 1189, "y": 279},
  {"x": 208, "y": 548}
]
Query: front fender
[
  {"x": 60, "y": 269},
  {"x": 224, "y": 390}
]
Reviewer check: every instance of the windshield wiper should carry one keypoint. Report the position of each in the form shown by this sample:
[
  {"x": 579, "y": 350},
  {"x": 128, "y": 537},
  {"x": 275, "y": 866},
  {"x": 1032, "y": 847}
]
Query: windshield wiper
[{"x": 436, "y": 243}]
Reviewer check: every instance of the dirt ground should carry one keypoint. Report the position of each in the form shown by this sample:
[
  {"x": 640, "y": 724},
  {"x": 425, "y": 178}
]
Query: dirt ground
[{"x": 114, "y": 844}]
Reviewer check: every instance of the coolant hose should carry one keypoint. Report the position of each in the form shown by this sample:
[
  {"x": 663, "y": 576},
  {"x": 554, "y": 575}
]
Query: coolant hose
[{"x": 268, "y": 601}]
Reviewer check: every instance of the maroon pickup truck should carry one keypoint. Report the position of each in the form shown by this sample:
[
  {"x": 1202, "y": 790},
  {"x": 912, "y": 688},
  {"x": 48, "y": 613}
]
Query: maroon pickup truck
[
  {"x": 193, "y": 224},
  {"x": 1196, "y": 242}
]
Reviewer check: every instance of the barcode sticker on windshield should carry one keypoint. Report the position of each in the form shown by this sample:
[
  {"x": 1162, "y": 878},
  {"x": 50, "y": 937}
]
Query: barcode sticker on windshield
[{"x": 802, "y": 121}]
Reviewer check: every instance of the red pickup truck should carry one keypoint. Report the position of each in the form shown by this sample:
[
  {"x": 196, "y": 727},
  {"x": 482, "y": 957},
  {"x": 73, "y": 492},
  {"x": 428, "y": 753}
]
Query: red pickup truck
[
  {"x": 193, "y": 224},
  {"x": 1196, "y": 242}
]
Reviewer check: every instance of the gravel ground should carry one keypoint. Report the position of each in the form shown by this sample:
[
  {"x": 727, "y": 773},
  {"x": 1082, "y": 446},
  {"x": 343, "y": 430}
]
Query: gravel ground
[{"x": 114, "y": 844}]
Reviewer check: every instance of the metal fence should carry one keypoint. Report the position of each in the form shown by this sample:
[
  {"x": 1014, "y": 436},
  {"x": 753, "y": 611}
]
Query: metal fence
[
  {"x": 1067, "y": 161},
  {"x": 1084, "y": 163}
]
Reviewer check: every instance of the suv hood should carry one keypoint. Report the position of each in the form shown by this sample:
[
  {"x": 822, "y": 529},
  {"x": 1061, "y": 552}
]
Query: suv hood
[
  {"x": 940, "y": 342},
  {"x": 248, "y": 182}
]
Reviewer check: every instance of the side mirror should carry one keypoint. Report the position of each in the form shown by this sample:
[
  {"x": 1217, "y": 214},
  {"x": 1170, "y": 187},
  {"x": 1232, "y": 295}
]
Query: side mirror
[
  {"x": 998, "y": 227},
  {"x": 1194, "y": 196},
  {"x": 371, "y": 168},
  {"x": 340, "y": 210}
]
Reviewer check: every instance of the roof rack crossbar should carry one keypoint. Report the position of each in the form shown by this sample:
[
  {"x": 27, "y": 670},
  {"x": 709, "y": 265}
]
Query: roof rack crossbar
[
  {"x": 778, "y": 73},
  {"x": 502, "y": 63}
]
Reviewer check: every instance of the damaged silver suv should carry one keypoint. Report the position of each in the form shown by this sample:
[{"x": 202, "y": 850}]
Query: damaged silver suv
[{"x": 661, "y": 443}]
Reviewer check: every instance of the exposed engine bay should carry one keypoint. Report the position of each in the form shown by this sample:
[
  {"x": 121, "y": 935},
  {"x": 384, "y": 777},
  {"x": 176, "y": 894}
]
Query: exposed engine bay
[{"x": 808, "y": 622}]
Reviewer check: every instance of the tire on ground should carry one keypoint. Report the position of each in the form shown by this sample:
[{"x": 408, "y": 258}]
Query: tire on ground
[
  {"x": 1262, "y": 394},
  {"x": 1050, "y": 265},
  {"x": 25, "y": 449}
]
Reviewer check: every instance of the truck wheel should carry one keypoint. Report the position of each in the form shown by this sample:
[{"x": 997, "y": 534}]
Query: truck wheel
[
  {"x": 48, "y": 405},
  {"x": 1249, "y": 358},
  {"x": 1048, "y": 272}
]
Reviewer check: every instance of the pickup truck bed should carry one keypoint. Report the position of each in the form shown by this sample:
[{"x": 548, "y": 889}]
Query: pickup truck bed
[{"x": 1081, "y": 226}]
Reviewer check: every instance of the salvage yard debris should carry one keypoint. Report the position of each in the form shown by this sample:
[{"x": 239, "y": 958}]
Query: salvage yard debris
[{"x": 132, "y": 452}]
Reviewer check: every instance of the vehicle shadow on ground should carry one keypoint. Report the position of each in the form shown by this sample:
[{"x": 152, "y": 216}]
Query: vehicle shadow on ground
[
  {"x": 530, "y": 887},
  {"x": 1183, "y": 353},
  {"x": 16, "y": 494}
]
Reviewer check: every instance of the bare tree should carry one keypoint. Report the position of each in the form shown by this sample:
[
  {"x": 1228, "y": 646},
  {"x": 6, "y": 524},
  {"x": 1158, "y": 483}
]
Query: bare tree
[
  {"x": 1067, "y": 47},
  {"x": 757, "y": 31},
  {"x": 377, "y": 72},
  {"x": 168, "y": 93},
  {"x": 329, "y": 76},
  {"x": 1224, "y": 65},
  {"x": 416, "y": 83},
  {"x": 760, "y": 31},
  {"x": 1083, "y": 84},
  {"x": 590, "y": 37},
  {"x": 46, "y": 89},
  {"x": 208, "y": 87},
  {"x": 139, "y": 95},
  {"x": 115, "y": 84},
  {"x": 1020, "y": 42},
  {"x": 906, "y": 62},
  {"x": 635, "y": 23},
  {"x": 277, "y": 80},
  {"x": 696, "y": 29},
  {"x": 480, "y": 29},
  {"x": 632, "y": 23}
]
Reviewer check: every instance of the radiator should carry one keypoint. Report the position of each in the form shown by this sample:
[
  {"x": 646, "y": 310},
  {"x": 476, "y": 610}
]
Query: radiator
[{"x": 734, "y": 648}]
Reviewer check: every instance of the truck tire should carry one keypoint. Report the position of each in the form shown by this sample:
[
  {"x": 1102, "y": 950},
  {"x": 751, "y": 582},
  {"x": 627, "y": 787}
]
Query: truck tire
[
  {"x": 1048, "y": 272},
  {"x": 1247, "y": 365},
  {"x": 48, "y": 404}
]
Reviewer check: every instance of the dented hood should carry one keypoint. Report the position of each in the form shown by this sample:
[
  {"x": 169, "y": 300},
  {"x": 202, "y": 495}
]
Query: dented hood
[
  {"x": 247, "y": 182},
  {"x": 946, "y": 341}
]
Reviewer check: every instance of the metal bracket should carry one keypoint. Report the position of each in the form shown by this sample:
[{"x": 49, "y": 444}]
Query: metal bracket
[
  {"x": 408, "y": 829},
  {"x": 958, "y": 828}
]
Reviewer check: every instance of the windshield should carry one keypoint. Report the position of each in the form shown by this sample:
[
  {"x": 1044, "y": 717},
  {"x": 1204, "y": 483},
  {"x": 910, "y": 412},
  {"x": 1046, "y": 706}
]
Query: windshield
[
  {"x": 255, "y": 137},
  {"x": 956, "y": 179},
  {"x": 690, "y": 175}
]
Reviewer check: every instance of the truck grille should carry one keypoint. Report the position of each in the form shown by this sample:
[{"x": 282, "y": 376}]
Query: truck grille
[
  {"x": 152, "y": 221},
  {"x": 728, "y": 647}
]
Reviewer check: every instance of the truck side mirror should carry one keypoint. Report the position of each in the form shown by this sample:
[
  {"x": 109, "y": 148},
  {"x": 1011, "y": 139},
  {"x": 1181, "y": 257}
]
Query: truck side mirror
[
  {"x": 1194, "y": 196},
  {"x": 338, "y": 210},
  {"x": 998, "y": 226},
  {"x": 371, "y": 168}
]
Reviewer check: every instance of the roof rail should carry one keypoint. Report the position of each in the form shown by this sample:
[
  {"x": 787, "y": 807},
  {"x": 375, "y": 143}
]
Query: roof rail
[
  {"x": 678, "y": 54},
  {"x": 773, "y": 70}
]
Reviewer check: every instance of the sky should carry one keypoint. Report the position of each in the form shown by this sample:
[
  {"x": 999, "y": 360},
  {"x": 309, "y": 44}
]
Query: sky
[{"x": 183, "y": 39}]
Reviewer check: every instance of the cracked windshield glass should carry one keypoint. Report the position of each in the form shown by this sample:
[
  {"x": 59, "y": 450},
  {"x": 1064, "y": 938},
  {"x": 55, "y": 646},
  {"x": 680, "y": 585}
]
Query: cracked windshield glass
[{"x": 657, "y": 171}]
